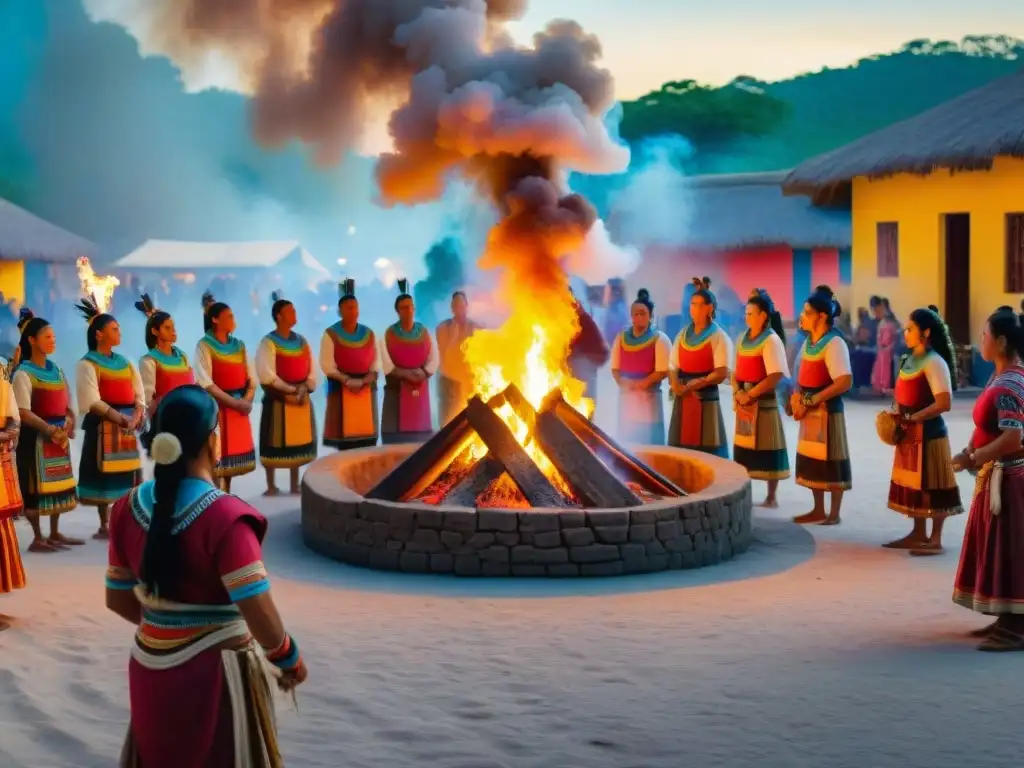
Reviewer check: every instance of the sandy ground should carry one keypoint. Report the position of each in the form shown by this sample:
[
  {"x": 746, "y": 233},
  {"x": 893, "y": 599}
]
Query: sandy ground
[{"x": 816, "y": 649}]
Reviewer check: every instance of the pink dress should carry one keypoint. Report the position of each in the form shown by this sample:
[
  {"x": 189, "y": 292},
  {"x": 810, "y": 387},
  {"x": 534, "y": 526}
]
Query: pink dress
[
  {"x": 181, "y": 708},
  {"x": 882, "y": 371}
]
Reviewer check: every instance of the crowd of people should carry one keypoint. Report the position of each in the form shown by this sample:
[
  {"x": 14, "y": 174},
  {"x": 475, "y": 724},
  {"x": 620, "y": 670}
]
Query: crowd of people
[{"x": 184, "y": 554}]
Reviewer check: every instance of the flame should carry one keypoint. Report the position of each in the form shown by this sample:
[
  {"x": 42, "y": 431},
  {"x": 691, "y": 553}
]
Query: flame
[{"x": 100, "y": 287}]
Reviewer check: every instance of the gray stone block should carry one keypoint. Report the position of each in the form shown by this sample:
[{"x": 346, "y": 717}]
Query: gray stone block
[
  {"x": 506, "y": 539},
  {"x": 641, "y": 516},
  {"x": 493, "y": 568},
  {"x": 607, "y": 518},
  {"x": 547, "y": 539},
  {"x": 533, "y": 555},
  {"x": 667, "y": 514},
  {"x": 384, "y": 559},
  {"x": 655, "y": 547},
  {"x": 539, "y": 522},
  {"x": 494, "y": 554},
  {"x": 380, "y": 533},
  {"x": 668, "y": 530},
  {"x": 461, "y": 520},
  {"x": 594, "y": 553},
  {"x": 430, "y": 518},
  {"x": 643, "y": 532},
  {"x": 424, "y": 540},
  {"x": 480, "y": 540},
  {"x": 675, "y": 561},
  {"x": 691, "y": 559},
  {"x": 682, "y": 544},
  {"x": 602, "y": 569},
  {"x": 528, "y": 570},
  {"x": 452, "y": 540},
  {"x": 691, "y": 525},
  {"x": 497, "y": 520},
  {"x": 692, "y": 510},
  {"x": 658, "y": 562},
  {"x": 468, "y": 565},
  {"x": 395, "y": 546},
  {"x": 414, "y": 562},
  {"x": 578, "y": 537},
  {"x": 563, "y": 570},
  {"x": 442, "y": 563},
  {"x": 572, "y": 518},
  {"x": 616, "y": 534}
]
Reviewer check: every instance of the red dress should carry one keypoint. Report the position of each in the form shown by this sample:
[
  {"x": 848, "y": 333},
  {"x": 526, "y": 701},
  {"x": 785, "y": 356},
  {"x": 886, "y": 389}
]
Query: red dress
[
  {"x": 990, "y": 578},
  {"x": 181, "y": 707}
]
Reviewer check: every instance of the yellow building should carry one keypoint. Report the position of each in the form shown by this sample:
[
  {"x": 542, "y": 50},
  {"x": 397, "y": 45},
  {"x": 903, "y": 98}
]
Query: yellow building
[
  {"x": 30, "y": 249},
  {"x": 937, "y": 206}
]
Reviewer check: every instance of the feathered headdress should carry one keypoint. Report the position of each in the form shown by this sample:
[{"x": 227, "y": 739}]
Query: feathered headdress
[
  {"x": 208, "y": 301},
  {"x": 145, "y": 305},
  {"x": 24, "y": 316},
  {"x": 88, "y": 307},
  {"x": 347, "y": 288},
  {"x": 276, "y": 296},
  {"x": 403, "y": 286}
]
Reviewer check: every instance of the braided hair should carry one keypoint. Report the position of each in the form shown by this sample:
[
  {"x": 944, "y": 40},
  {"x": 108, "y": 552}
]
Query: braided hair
[
  {"x": 928, "y": 319},
  {"x": 760, "y": 298}
]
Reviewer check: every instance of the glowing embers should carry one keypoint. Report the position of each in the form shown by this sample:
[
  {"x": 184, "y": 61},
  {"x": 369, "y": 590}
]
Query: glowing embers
[{"x": 504, "y": 453}]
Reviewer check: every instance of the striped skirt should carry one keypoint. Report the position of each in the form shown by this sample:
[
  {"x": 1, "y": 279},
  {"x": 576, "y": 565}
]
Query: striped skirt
[
  {"x": 930, "y": 490},
  {"x": 759, "y": 443},
  {"x": 697, "y": 423},
  {"x": 823, "y": 460},
  {"x": 287, "y": 433},
  {"x": 12, "y": 573}
]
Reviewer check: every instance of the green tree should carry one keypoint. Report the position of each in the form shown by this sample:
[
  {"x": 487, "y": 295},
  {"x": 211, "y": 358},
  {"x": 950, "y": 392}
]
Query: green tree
[{"x": 709, "y": 118}]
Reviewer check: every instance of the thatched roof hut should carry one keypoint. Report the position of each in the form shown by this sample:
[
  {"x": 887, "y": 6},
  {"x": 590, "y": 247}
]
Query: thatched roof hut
[
  {"x": 964, "y": 134},
  {"x": 748, "y": 210},
  {"x": 26, "y": 237}
]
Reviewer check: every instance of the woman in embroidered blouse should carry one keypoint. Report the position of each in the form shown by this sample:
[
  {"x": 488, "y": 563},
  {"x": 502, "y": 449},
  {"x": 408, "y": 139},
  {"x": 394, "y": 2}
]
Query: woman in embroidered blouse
[
  {"x": 223, "y": 368},
  {"x": 823, "y": 376},
  {"x": 923, "y": 486},
  {"x": 639, "y": 365},
  {"x": 285, "y": 369},
  {"x": 45, "y": 472},
  {"x": 164, "y": 367},
  {"x": 760, "y": 443},
  {"x": 699, "y": 362},
  {"x": 111, "y": 399},
  {"x": 185, "y": 568},
  {"x": 990, "y": 577}
]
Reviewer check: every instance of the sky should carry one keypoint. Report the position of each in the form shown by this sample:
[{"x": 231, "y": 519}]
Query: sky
[{"x": 647, "y": 42}]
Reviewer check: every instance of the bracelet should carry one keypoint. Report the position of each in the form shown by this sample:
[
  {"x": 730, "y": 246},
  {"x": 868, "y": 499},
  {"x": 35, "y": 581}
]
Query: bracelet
[
  {"x": 807, "y": 400},
  {"x": 287, "y": 656}
]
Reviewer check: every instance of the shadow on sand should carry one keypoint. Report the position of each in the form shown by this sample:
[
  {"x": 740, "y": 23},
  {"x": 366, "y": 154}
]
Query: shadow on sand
[{"x": 778, "y": 546}]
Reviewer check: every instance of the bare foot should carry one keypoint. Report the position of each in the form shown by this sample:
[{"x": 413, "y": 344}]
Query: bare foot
[
  {"x": 295, "y": 492},
  {"x": 910, "y": 541},
  {"x": 41, "y": 545},
  {"x": 272, "y": 491},
  {"x": 985, "y": 631},
  {"x": 60, "y": 538},
  {"x": 769, "y": 503},
  {"x": 814, "y": 516},
  {"x": 927, "y": 548},
  {"x": 832, "y": 520},
  {"x": 102, "y": 534}
]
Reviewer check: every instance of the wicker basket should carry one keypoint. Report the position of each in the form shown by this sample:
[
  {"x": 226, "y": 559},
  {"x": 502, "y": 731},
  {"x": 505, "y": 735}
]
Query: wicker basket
[{"x": 890, "y": 427}]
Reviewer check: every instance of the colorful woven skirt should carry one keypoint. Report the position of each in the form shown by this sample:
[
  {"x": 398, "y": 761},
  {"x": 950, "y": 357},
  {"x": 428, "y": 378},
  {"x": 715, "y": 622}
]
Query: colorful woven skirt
[
  {"x": 12, "y": 573},
  {"x": 990, "y": 578},
  {"x": 351, "y": 417},
  {"x": 110, "y": 465},
  {"x": 406, "y": 417},
  {"x": 45, "y": 473},
  {"x": 922, "y": 483},
  {"x": 287, "y": 433},
  {"x": 237, "y": 451},
  {"x": 759, "y": 443},
  {"x": 822, "y": 452},
  {"x": 697, "y": 423}
]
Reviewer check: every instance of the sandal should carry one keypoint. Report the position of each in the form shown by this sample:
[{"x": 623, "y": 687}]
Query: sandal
[
  {"x": 61, "y": 539},
  {"x": 985, "y": 631},
  {"x": 1002, "y": 640},
  {"x": 41, "y": 545},
  {"x": 925, "y": 549}
]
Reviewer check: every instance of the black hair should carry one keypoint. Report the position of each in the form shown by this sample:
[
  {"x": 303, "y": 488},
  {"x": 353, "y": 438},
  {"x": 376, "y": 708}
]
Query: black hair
[
  {"x": 154, "y": 318},
  {"x": 403, "y": 292},
  {"x": 346, "y": 291},
  {"x": 703, "y": 289},
  {"x": 824, "y": 300},
  {"x": 1010, "y": 326},
  {"x": 280, "y": 303},
  {"x": 30, "y": 327},
  {"x": 189, "y": 413},
  {"x": 929, "y": 319},
  {"x": 211, "y": 310},
  {"x": 89, "y": 309},
  {"x": 888, "y": 309},
  {"x": 875, "y": 301},
  {"x": 759, "y": 298},
  {"x": 643, "y": 296},
  {"x": 460, "y": 295}
]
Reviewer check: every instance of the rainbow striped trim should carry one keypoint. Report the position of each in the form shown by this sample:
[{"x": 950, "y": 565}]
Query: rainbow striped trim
[
  {"x": 176, "y": 362},
  {"x": 248, "y": 581},
  {"x": 194, "y": 498},
  {"x": 359, "y": 338},
  {"x": 175, "y": 628},
  {"x": 114, "y": 367},
  {"x": 50, "y": 377},
  {"x": 691, "y": 342},
  {"x": 816, "y": 351},
  {"x": 753, "y": 347},
  {"x": 914, "y": 366},
  {"x": 120, "y": 579},
  {"x": 233, "y": 351},
  {"x": 287, "y": 656},
  {"x": 293, "y": 346},
  {"x": 413, "y": 336},
  {"x": 631, "y": 343}
]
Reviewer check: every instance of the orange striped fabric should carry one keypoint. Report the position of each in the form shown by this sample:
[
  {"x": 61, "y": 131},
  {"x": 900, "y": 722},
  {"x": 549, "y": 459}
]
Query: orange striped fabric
[{"x": 12, "y": 573}]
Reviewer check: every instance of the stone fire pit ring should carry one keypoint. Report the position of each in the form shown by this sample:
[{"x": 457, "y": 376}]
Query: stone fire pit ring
[{"x": 708, "y": 526}]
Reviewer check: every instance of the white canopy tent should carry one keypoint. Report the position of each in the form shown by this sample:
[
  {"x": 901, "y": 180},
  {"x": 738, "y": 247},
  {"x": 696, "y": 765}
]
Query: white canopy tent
[{"x": 187, "y": 256}]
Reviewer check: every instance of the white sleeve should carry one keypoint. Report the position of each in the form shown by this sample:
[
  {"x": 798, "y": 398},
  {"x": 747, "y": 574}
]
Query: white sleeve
[
  {"x": 387, "y": 365},
  {"x": 266, "y": 364},
  {"x": 147, "y": 370},
  {"x": 721, "y": 348},
  {"x": 87, "y": 388},
  {"x": 378, "y": 362},
  {"x": 937, "y": 373},
  {"x": 327, "y": 364},
  {"x": 774, "y": 354},
  {"x": 616, "y": 359},
  {"x": 202, "y": 366},
  {"x": 837, "y": 359},
  {"x": 673, "y": 360},
  {"x": 12, "y": 404},
  {"x": 433, "y": 358},
  {"x": 312, "y": 378},
  {"x": 250, "y": 368},
  {"x": 662, "y": 352},
  {"x": 140, "y": 391},
  {"x": 22, "y": 386}
]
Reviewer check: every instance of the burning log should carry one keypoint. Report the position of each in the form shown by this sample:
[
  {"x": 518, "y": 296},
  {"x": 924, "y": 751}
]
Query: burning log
[
  {"x": 423, "y": 466},
  {"x": 607, "y": 450},
  {"x": 584, "y": 471},
  {"x": 504, "y": 447},
  {"x": 479, "y": 479}
]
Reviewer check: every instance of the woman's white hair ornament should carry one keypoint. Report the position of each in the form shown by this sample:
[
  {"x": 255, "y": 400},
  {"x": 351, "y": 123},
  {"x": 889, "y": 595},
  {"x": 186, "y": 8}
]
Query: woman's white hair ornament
[{"x": 165, "y": 449}]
